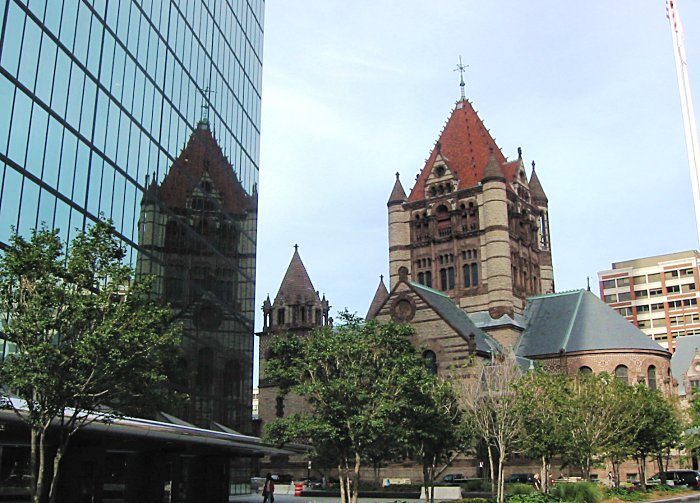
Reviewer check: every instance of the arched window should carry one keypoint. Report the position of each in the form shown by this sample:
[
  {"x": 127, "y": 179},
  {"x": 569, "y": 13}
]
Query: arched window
[
  {"x": 475, "y": 274},
  {"x": 205, "y": 369},
  {"x": 621, "y": 373},
  {"x": 430, "y": 359},
  {"x": 585, "y": 370},
  {"x": 651, "y": 377}
]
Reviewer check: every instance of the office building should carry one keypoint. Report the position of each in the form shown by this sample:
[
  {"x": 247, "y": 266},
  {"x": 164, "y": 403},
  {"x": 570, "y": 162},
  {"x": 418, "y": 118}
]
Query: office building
[
  {"x": 658, "y": 294},
  {"x": 100, "y": 99}
]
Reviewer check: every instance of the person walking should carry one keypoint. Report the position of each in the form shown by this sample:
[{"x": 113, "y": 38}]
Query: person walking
[
  {"x": 537, "y": 482},
  {"x": 269, "y": 490}
]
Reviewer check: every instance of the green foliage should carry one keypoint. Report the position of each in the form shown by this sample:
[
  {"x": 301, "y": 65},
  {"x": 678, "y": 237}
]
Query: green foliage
[
  {"x": 476, "y": 500},
  {"x": 534, "y": 497},
  {"x": 85, "y": 334},
  {"x": 626, "y": 494},
  {"x": 368, "y": 391},
  {"x": 476, "y": 485},
  {"x": 512, "y": 489},
  {"x": 579, "y": 492}
]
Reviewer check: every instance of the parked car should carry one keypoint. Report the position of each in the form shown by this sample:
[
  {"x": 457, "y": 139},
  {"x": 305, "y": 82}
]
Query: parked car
[
  {"x": 453, "y": 478},
  {"x": 690, "y": 478},
  {"x": 521, "y": 478}
]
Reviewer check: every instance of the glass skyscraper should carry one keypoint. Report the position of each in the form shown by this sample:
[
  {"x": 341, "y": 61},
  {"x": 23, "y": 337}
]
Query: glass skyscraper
[{"x": 98, "y": 100}]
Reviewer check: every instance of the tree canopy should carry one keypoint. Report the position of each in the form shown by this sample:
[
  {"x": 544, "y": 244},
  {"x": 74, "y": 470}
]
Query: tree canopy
[
  {"x": 88, "y": 342},
  {"x": 364, "y": 383}
]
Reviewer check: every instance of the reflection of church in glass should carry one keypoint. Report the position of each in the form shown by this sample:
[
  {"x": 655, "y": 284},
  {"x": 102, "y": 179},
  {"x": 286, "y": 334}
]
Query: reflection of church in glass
[{"x": 197, "y": 238}]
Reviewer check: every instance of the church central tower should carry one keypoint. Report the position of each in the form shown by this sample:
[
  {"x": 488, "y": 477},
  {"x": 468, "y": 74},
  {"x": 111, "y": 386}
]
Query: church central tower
[{"x": 473, "y": 225}]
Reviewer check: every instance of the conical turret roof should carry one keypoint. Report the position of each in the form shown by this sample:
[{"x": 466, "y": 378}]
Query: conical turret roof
[
  {"x": 296, "y": 285},
  {"x": 536, "y": 190},
  {"x": 398, "y": 195},
  {"x": 466, "y": 145},
  {"x": 380, "y": 297}
]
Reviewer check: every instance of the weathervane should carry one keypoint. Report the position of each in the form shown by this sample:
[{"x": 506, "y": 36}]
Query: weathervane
[{"x": 461, "y": 68}]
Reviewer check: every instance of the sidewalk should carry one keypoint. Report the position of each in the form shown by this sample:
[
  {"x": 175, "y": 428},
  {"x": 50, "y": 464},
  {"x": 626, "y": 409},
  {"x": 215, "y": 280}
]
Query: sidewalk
[{"x": 290, "y": 498}]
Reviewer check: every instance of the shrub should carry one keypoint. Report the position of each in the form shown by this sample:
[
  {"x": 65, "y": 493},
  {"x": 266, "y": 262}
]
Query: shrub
[
  {"x": 534, "y": 497},
  {"x": 512, "y": 489},
  {"x": 625, "y": 494},
  {"x": 476, "y": 500},
  {"x": 476, "y": 485},
  {"x": 579, "y": 492}
]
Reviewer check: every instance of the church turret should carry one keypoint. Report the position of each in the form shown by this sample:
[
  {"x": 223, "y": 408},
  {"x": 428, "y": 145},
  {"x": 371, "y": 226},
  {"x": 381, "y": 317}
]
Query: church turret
[
  {"x": 399, "y": 232},
  {"x": 539, "y": 199},
  {"x": 496, "y": 252}
]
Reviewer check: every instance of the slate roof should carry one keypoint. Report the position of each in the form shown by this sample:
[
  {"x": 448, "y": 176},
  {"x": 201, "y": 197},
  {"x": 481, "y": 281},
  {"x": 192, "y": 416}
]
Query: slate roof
[
  {"x": 380, "y": 297},
  {"x": 466, "y": 146},
  {"x": 578, "y": 321},
  {"x": 686, "y": 346},
  {"x": 296, "y": 285},
  {"x": 456, "y": 318}
]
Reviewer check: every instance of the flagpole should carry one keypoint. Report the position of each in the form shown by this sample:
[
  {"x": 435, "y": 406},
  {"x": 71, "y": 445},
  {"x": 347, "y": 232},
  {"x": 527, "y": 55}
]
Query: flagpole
[{"x": 691, "y": 134}]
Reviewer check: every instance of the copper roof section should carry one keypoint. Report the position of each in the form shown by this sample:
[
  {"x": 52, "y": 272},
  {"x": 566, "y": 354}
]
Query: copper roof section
[
  {"x": 380, "y": 297},
  {"x": 398, "y": 195},
  {"x": 466, "y": 145},
  {"x": 203, "y": 154},
  {"x": 296, "y": 285}
]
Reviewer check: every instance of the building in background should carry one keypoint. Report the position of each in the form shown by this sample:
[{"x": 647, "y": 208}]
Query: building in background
[{"x": 658, "y": 294}]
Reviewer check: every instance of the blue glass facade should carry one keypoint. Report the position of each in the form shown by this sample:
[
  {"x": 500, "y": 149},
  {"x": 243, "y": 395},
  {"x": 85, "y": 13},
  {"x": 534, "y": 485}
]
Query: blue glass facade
[
  {"x": 98, "y": 99},
  {"x": 97, "y": 94}
]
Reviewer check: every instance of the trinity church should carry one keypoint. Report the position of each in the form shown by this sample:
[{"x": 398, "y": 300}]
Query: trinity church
[{"x": 470, "y": 262}]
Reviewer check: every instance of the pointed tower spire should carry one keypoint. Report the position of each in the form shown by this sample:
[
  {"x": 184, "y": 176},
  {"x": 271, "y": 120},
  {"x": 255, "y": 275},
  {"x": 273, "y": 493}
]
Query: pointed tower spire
[
  {"x": 461, "y": 69},
  {"x": 380, "y": 297},
  {"x": 398, "y": 195},
  {"x": 296, "y": 284},
  {"x": 536, "y": 189}
]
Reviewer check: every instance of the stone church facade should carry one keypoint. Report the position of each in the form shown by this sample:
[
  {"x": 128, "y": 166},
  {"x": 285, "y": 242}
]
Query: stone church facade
[{"x": 470, "y": 264}]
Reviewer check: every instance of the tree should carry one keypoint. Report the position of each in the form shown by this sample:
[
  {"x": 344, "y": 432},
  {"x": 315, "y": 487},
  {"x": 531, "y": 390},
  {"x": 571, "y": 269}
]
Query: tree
[
  {"x": 593, "y": 418},
  {"x": 541, "y": 402},
  {"x": 86, "y": 336},
  {"x": 657, "y": 427},
  {"x": 434, "y": 427},
  {"x": 490, "y": 401},
  {"x": 356, "y": 378}
]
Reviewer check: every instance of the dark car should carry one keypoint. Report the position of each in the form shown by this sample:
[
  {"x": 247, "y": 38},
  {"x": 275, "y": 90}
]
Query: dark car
[
  {"x": 690, "y": 478},
  {"x": 452, "y": 478},
  {"x": 521, "y": 478}
]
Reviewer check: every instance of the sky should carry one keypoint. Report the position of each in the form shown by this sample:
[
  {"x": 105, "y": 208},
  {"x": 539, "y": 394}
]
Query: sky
[{"x": 354, "y": 92}]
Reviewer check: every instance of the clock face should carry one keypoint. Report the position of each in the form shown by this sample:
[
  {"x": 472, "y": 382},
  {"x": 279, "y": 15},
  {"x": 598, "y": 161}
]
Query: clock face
[{"x": 697, "y": 367}]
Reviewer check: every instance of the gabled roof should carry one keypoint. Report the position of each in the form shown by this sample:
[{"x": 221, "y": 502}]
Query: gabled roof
[
  {"x": 578, "y": 321},
  {"x": 203, "y": 156},
  {"x": 296, "y": 285},
  {"x": 466, "y": 145},
  {"x": 380, "y": 297},
  {"x": 686, "y": 349},
  {"x": 445, "y": 307}
]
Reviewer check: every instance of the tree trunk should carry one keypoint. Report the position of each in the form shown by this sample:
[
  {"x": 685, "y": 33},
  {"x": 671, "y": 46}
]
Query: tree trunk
[
  {"x": 341, "y": 480},
  {"x": 545, "y": 475},
  {"x": 493, "y": 482},
  {"x": 58, "y": 457},
  {"x": 500, "y": 496},
  {"x": 356, "y": 478}
]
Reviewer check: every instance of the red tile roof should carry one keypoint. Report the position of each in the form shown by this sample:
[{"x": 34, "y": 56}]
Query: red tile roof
[
  {"x": 466, "y": 145},
  {"x": 189, "y": 167}
]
